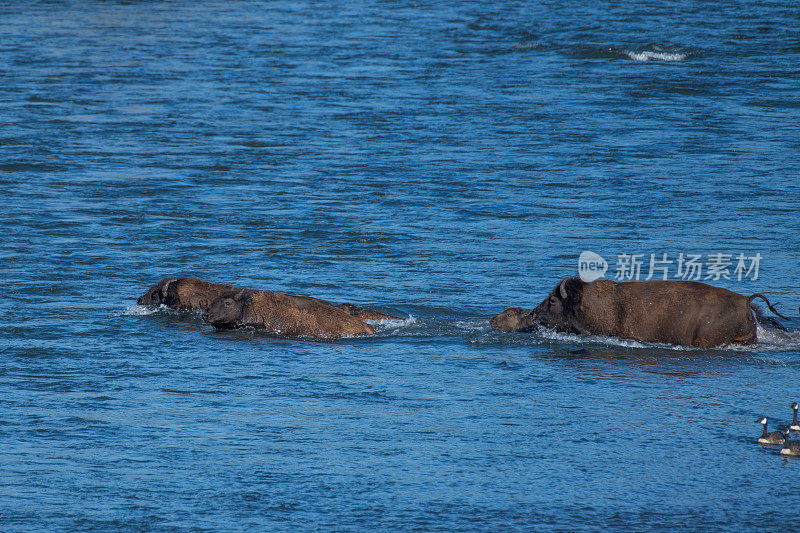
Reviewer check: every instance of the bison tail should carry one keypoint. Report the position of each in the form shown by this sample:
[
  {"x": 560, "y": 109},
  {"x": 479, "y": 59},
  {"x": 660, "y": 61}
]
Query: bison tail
[{"x": 768, "y": 304}]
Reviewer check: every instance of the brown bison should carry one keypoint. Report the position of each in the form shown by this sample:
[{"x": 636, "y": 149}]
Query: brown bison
[
  {"x": 184, "y": 293},
  {"x": 189, "y": 294},
  {"x": 283, "y": 314},
  {"x": 685, "y": 313},
  {"x": 514, "y": 319}
]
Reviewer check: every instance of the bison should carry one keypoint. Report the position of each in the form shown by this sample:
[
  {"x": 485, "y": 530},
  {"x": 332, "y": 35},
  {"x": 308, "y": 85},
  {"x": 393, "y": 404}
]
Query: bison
[
  {"x": 514, "y": 319},
  {"x": 184, "y": 293},
  {"x": 687, "y": 313},
  {"x": 283, "y": 314},
  {"x": 189, "y": 294}
]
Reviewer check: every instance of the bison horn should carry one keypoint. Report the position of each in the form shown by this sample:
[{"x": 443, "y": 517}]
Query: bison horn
[
  {"x": 165, "y": 288},
  {"x": 562, "y": 290},
  {"x": 239, "y": 295}
]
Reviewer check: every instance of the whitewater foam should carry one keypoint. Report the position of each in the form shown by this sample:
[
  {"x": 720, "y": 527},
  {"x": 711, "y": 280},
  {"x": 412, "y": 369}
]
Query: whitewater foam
[
  {"x": 472, "y": 325},
  {"x": 143, "y": 310},
  {"x": 768, "y": 340},
  {"x": 391, "y": 324},
  {"x": 774, "y": 340},
  {"x": 651, "y": 55}
]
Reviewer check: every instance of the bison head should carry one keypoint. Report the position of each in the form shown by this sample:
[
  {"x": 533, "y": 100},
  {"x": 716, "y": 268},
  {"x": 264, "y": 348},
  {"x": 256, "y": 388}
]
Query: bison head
[
  {"x": 227, "y": 310},
  {"x": 160, "y": 293},
  {"x": 560, "y": 310},
  {"x": 514, "y": 319}
]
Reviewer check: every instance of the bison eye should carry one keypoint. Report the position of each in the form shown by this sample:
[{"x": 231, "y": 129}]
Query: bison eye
[{"x": 227, "y": 304}]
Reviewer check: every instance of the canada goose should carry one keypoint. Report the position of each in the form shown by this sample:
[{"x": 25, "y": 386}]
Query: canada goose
[
  {"x": 791, "y": 448},
  {"x": 795, "y": 424},
  {"x": 775, "y": 437}
]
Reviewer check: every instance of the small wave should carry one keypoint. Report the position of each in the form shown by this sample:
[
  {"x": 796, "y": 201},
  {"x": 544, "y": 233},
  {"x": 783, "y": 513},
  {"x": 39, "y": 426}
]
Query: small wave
[
  {"x": 644, "y": 54},
  {"x": 649, "y": 55},
  {"x": 525, "y": 46},
  {"x": 768, "y": 340},
  {"x": 611, "y": 341},
  {"x": 392, "y": 324},
  {"x": 143, "y": 310},
  {"x": 147, "y": 310},
  {"x": 472, "y": 325},
  {"x": 773, "y": 340}
]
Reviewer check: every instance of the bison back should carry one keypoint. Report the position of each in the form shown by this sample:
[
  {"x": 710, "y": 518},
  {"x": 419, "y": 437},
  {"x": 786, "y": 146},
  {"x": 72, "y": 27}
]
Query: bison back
[
  {"x": 674, "y": 312},
  {"x": 284, "y": 314}
]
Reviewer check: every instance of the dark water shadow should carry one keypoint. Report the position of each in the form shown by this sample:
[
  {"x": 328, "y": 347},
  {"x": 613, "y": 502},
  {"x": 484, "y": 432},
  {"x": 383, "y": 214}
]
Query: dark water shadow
[{"x": 611, "y": 362}]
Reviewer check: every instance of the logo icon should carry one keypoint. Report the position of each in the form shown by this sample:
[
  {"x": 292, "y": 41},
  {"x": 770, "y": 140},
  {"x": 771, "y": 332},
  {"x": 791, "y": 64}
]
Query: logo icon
[{"x": 591, "y": 266}]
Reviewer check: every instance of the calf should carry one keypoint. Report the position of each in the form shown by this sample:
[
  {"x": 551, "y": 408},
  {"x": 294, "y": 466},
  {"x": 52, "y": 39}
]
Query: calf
[{"x": 283, "y": 314}]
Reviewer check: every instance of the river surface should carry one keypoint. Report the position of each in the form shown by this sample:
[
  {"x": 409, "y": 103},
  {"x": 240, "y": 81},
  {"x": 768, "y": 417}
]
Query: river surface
[{"x": 440, "y": 161}]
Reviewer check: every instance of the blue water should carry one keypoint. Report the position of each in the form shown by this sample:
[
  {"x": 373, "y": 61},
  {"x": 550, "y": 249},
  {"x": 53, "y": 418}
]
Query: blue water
[{"x": 443, "y": 161}]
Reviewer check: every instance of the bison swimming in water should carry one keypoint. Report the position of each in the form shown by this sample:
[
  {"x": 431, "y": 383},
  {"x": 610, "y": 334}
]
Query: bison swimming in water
[
  {"x": 189, "y": 294},
  {"x": 184, "y": 293},
  {"x": 685, "y": 313},
  {"x": 283, "y": 314},
  {"x": 514, "y": 319}
]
